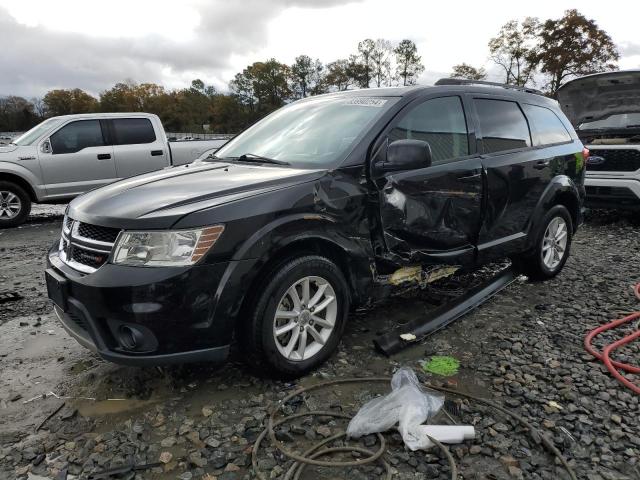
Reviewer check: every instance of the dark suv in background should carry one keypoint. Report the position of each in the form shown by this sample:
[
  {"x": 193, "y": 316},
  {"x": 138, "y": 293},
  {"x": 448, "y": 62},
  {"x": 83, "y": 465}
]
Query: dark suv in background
[{"x": 308, "y": 213}]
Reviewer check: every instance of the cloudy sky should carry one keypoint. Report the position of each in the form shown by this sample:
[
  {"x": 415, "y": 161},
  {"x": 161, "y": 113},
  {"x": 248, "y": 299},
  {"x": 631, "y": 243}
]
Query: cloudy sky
[{"x": 92, "y": 45}]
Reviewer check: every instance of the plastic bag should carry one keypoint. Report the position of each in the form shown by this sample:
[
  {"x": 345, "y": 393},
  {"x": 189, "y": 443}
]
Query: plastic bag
[{"x": 408, "y": 405}]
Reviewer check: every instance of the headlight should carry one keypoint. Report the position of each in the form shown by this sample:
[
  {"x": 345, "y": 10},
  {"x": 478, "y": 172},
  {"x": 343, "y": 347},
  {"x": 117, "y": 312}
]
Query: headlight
[{"x": 165, "y": 248}]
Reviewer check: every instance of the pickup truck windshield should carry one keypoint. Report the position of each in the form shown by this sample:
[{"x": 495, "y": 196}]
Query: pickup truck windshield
[
  {"x": 312, "y": 133},
  {"x": 617, "y": 121},
  {"x": 34, "y": 134}
]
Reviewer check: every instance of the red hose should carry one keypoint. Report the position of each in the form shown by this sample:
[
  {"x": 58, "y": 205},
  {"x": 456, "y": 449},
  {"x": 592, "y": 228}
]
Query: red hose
[{"x": 613, "y": 366}]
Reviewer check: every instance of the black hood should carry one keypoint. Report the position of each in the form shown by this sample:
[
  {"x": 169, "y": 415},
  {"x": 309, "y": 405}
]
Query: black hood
[
  {"x": 600, "y": 95},
  {"x": 159, "y": 199}
]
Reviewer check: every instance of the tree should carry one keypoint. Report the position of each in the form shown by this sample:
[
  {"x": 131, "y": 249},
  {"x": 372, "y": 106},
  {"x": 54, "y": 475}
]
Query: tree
[
  {"x": 408, "y": 62},
  {"x": 338, "y": 75},
  {"x": 514, "y": 50},
  {"x": 573, "y": 46},
  {"x": 365, "y": 52},
  {"x": 463, "y": 70},
  {"x": 68, "y": 102},
  {"x": 16, "y": 114},
  {"x": 381, "y": 62},
  {"x": 307, "y": 76},
  {"x": 39, "y": 107}
]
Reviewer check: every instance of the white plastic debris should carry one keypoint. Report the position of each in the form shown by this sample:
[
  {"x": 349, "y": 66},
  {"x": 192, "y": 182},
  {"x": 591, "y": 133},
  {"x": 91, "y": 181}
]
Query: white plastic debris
[
  {"x": 446, "y": 433},
  {"x": 408, "y": 405},
  {"x": 408, "y": 337}
]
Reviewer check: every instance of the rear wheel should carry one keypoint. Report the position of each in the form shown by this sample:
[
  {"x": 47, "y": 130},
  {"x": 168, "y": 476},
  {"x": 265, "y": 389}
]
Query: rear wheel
[
  {"x": 15, "y": 204},
  {"x": 553, "y": 242},
  {"x": 298, "y": 318}
]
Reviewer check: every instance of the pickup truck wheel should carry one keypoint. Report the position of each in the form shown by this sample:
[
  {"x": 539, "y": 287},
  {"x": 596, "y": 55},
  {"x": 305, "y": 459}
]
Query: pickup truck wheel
[
  {"x": 298, "y": 318},
  {"x": 553, "y": 242},
  {"x": 15, "y": 205}
]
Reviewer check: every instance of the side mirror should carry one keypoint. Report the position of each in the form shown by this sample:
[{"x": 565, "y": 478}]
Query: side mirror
[
  {"x": 45, "y": 147},
  {"x": 405, "y": 155}
]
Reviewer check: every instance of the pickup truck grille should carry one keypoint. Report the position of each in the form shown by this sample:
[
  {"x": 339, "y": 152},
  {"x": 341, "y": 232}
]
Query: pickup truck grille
[
  {"x": 614, "y": 160},
  {"x": 85, "y": 247}
]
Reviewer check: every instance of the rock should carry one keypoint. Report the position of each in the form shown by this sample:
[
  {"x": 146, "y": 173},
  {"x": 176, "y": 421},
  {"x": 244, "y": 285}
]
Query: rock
[
  {"x": 197, "y": 459},
  {"x": 165, "y": 457},
  {"x": 168, "y": 442},
  {"x": 324, "y": 431},
  {"x": 207, "y": 411},
  {"x": 231, "y": 467}
]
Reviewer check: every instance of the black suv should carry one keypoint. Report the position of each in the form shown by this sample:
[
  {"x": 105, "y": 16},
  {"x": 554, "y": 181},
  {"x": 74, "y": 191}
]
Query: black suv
[{"x": 307, "y": 214}]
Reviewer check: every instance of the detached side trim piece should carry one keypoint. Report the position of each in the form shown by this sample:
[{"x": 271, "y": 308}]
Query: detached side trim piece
[{"x": 442, "y": 316}]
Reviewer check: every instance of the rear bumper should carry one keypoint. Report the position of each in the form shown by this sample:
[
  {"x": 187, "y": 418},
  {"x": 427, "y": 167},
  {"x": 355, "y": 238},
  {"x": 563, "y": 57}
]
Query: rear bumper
[
  {"x": 613, "y": 193},
  {"x": 151, "y": 316}
]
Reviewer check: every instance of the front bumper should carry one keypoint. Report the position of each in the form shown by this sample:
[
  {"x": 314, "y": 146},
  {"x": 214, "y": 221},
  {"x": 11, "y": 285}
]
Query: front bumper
[
  {"x": 612, "y": 193},
  {"x": 150, "y": 316}
]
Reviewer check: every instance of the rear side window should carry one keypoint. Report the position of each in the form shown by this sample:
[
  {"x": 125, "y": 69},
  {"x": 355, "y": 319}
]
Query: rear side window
[
  {"x": 439, "y": 121},
  {"x": 131, "y": 131},
  {"x": 546, "y": 127},
  {"x": 502, "y": 124},
  {"x": 75, "y": 136}
]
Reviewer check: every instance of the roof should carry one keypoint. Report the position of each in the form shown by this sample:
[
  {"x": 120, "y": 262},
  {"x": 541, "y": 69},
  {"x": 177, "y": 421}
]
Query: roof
[{"x": 108, "y": 115}]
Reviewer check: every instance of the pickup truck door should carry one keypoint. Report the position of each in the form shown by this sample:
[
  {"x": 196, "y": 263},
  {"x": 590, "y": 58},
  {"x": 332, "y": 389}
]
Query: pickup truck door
[
  {"x": 136, "y": 147},
  {"x": 434, "y": 214},
  {"x": 80, "y": 159}
]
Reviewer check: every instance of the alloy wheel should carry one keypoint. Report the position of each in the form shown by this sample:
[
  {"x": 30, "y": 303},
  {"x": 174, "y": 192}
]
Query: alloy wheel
[
  {"x": 554, "y": 243},
  {"x": 305, "y": 318},
  {"x": 10, "y": 205}
]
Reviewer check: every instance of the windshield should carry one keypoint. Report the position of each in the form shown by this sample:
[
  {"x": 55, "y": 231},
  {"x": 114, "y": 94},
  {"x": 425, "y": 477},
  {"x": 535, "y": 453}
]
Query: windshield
[
  {"x": 617, "y": 121},
  {"x": 32, "y": 135},
  {"x": 312, "y": 133}
]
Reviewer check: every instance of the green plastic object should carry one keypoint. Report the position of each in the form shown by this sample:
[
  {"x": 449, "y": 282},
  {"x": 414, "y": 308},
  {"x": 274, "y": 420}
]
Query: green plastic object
[{"x": 442, "y": 365}]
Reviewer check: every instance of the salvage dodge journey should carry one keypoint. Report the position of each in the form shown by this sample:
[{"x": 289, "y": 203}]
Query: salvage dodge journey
[{"x": 270, "y": 242}]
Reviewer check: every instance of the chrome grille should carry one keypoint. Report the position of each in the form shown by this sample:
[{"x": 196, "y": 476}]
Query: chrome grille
[{"x": 85, "y": 247}]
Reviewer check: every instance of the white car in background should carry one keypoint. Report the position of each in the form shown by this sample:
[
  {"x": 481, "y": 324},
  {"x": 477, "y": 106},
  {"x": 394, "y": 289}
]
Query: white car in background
[
  {"x": 605, "y": 111},
  {"x": 66, "y": 156}
]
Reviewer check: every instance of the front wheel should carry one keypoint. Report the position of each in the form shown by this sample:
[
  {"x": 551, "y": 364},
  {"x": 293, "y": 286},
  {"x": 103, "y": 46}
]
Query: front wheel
[
  {"x": 15, "y": 205},
  {"x": 298, "y": 318},
  {"x": 553, "y": 242}
]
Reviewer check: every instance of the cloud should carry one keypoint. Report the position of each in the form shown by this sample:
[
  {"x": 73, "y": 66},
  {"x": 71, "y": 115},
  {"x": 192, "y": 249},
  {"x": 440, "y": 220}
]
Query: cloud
[
  {"x": 36, "y": 58},
  {"x": 629, "y": 49}
]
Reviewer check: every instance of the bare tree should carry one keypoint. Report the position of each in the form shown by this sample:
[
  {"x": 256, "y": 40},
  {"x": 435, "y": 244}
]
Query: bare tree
[
  {"x": 381, "y": 62},
  {"x": 514, "y": 50}
]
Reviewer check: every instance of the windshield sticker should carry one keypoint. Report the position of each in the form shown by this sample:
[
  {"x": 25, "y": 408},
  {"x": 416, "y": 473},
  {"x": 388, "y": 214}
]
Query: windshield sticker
[{"x": 366, "y": 101}]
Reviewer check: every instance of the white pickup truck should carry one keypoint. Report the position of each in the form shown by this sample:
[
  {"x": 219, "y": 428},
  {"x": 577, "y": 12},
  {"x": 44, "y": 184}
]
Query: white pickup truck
[{"x": 66, "y": 156}]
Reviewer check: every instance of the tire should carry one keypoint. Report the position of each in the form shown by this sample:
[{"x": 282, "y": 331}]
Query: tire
[
  {"x": 537, "y": 264},
  {"x": 266, "y": 351},
  {"x": 15, "y": 204}
]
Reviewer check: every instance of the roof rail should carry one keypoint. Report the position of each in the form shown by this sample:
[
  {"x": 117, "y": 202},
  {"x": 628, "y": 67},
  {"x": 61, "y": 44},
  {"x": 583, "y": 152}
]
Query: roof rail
[{"x": 466, "y": 81}]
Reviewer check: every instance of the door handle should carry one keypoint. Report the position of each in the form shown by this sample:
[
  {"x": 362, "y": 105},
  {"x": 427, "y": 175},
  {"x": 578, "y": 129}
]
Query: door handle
[
  {"x": 155, "y": 153},
  {"x": 542, "y": 164},
  {"x": 104, "y": 156}
]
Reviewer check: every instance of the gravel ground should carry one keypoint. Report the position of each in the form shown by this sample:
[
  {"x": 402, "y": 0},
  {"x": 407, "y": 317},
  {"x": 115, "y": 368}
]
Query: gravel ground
[{"x": 523, "y": 349}]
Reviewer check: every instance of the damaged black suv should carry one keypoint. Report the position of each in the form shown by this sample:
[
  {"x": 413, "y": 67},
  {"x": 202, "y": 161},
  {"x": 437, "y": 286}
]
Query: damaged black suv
[{"x": 271, "y": 241}]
